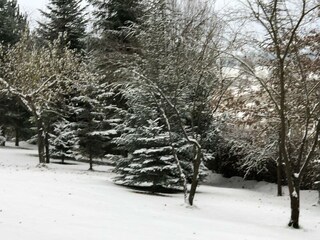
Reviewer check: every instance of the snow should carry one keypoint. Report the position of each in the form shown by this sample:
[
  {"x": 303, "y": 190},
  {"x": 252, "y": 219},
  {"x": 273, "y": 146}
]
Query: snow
[
  {"x": 69, "y": 202},
  {"x": 151, "y": 150},
  {"x": 104, "y": 133}
]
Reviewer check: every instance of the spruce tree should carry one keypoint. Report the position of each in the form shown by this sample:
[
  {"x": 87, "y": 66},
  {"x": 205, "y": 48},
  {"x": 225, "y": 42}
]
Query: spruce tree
[
  {"x": 65, "y": 19},
  {"x": 150, "y": 162},
  {"x": 12, "y": 22},
  {"x": 63, "y": 141},
  {"x": 93, "y": 122},
  {"x": 115, "y": 44},
  {"x": 116, "y": 14},
  {"x": 147, "y": 142}
]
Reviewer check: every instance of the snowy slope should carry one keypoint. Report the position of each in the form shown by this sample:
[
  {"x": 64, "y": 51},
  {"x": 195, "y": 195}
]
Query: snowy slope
[{"x": 68, "y": 202}]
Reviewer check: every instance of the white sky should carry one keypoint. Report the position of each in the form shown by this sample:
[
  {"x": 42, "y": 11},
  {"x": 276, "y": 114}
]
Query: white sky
[{"x": 31, "y": 8}]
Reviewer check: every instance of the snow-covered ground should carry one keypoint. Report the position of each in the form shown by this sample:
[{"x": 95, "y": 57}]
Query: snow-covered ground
[{"x": 67, "y": 202}]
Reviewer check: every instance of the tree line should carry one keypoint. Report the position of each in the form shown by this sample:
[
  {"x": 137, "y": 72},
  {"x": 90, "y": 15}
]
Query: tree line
[{"x": 165, "y": 89}]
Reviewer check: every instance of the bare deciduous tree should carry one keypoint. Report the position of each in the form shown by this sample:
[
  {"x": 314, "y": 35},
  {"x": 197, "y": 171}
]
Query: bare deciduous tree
[
  {"x": 291, "y": 88},
  {"x": 36, "y": 76}
]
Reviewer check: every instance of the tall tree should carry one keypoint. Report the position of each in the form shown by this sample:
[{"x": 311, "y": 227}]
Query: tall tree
[
  {"x": 12, "y": 22},
  {"x": 66, "y": 19},
  {"x": 179, "y": 69},
  {"x": 115, "y": 42},
  {"x": 290, "y": 85},
  {"x": 116, "y": 14}
]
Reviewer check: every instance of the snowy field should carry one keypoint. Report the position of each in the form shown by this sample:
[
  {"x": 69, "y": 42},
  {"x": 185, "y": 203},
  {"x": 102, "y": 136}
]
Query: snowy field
[{"x": 67, "y": 202}]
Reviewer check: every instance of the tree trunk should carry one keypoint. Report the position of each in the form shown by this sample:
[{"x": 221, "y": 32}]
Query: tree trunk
[
  {"x": 40, "y": 142},
  {"x": 195, "y": 176},
  {"x": 279, "y": 174},
  {"x": 293, "y": 182},
  {"x": 279, "y": 181},
  {"x": 47, "y": 147},
  {"x": 62, "y": 159},
  {"x": 17, "y": 137},
  {"x": 295, "y": 208},
  {"x": 317, "y": 185},
  {"x": 90, "y": 162}
]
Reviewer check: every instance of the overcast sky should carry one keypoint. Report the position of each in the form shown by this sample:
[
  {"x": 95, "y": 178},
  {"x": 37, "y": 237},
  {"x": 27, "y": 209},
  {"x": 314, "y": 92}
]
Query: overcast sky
[{"x": 31, "y": 8}]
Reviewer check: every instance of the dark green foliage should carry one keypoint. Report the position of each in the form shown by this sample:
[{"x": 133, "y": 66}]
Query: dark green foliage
[
  {"x": 229, "y": 159},
  {"x": 12, "y": 22},
  {"x": 116, "y": 14},
  {"x": 63, "y": 141},
  {"x": 65, "y": 19},
  {"x": 150, "y": 162},
  {"x": 88, "y": 119},
  {"x": 94, "y": 115},
  {"x": 115, "y": 43},
  {"x": 14, "y": 118}
]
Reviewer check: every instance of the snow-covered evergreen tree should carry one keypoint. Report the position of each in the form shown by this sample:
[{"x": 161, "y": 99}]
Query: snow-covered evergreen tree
[
  {"x": 95, "y": 117},
  {"x": 112, "y": 107},
  {"x": 63, "y": 141},
  {"x": 88, "y": 120},
  {"x": 150, "y": 162},
  {"x": 150, "y": 147}
]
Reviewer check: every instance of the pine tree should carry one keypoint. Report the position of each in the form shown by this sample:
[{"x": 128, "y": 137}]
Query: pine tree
[
  {"x": 12, "y": 22},
  {"x": 63, "y": 141},
  {"x": 66, "y": 19},
  {"x": 112, "y": 105},
  {"x": 94, "y": 120},
  {"x": 150, "y": 162},
  {"x": 115, "y": 44},
  {"x": 116, "y": 14},
  {"x": 89, "y": 145}
]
